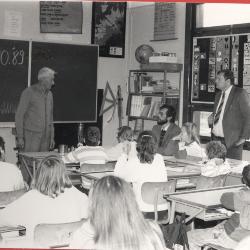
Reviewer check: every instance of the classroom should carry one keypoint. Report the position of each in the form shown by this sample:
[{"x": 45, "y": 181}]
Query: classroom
[{"x": 132, "y": 115}]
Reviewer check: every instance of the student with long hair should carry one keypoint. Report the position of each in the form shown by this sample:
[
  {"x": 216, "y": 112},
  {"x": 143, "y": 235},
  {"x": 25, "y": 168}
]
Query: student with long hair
[
  {"x": 147, "y": 166},
  {"x": 189, "y": 142},
  {"x": 115, "y": 221},
  {"x": 52, "y": 199}
]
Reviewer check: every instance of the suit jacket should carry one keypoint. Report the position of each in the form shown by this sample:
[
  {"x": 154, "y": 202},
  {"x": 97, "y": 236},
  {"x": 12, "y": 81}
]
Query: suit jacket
[
  {"x": 168, "y": 146},
  {"x": 236, "y": 118}
]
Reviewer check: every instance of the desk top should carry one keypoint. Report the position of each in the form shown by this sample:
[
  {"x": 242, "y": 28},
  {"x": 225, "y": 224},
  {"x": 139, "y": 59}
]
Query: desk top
[
  {"x": 38, "y": 155},
  {"x": 206, "y": 198},
  {"x": 171, "y": 174}
]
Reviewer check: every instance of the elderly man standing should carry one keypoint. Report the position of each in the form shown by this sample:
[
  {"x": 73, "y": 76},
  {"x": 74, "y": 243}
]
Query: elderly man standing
[{"x": 34, "y": 116}]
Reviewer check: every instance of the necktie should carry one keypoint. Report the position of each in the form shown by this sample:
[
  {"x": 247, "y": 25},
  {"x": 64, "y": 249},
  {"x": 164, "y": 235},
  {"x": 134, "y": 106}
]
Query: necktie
[
  {"x": 163, "y": 132},
  {"x": 217, "y": 115}
]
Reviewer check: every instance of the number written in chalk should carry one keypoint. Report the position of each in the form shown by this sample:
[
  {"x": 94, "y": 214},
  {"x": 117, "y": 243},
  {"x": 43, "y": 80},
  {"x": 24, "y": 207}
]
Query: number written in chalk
[{"x": 11, "y": 57}]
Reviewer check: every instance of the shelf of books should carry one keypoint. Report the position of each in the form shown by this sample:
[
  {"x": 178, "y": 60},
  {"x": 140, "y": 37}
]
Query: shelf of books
[{"x": 148, "y": 106}]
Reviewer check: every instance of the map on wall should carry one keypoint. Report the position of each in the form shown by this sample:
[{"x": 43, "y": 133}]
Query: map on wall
[{"x": 165, "y": 21}]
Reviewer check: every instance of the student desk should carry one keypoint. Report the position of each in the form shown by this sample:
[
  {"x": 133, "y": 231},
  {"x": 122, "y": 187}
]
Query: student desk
[
  {"x": 199, "y": 203},
  {"x": 93, "y": 176}
]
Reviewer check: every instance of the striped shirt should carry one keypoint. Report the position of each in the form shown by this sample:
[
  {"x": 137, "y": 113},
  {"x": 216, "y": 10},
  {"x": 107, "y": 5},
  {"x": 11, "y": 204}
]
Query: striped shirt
[{"x": 87, "y": 154}]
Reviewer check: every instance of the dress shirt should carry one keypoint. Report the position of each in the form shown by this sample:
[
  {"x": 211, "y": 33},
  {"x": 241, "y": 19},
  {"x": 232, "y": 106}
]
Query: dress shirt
[{"x": 218, "y": 128}]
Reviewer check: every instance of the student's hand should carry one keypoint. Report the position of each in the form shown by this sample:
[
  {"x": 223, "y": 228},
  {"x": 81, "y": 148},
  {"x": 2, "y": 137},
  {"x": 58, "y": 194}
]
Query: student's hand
[
  {"x": 20, "y": 143},
  {"x": 210, "y": 119},
  {"x": 239, "y": 142}
]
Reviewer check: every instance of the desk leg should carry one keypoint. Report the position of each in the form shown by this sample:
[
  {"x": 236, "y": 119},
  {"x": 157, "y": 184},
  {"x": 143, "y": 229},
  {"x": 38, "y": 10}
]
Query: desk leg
[
  {"x": 192, "y": 216},
  {"x": 172, "y": 212}
]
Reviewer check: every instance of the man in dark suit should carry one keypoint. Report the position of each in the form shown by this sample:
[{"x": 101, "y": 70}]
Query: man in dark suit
[
  {"x": 230, "y": 119},
  {"x": 165, "y": 130}
]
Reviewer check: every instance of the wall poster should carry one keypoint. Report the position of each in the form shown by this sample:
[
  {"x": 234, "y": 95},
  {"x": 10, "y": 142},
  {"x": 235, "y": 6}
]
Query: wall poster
[
  {"x": 212, "y": 54},
  {"x": 61, "y": 17},
  {"x": 165, "y": 21},
  {"x": 108, "y": 28}
]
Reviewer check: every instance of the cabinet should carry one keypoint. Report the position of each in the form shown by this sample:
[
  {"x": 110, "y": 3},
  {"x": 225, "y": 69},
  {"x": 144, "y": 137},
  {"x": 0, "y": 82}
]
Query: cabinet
[{"x": 149, "y": 88}]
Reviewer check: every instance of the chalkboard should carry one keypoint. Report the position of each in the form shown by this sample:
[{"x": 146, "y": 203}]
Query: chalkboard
[
  {"x": 75, "y": 91},
  {"x": 14, "y": 57},
  {"x": 67, "y": 133}
]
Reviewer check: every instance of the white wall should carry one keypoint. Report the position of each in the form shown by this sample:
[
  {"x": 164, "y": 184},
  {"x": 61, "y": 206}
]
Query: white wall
[
  {"x": 109, "y": 69},
  {"x": 141, "y": 32}
]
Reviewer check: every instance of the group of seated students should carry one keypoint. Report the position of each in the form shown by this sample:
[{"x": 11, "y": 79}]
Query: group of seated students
[
  {"x": 113, "y": 209},
  {"x": 112, "y": 216}
]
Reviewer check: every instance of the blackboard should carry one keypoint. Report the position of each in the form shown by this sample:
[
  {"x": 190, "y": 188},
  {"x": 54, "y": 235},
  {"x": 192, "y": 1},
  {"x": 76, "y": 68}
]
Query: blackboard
[
  {"x": 67, "y": 133},
  {"x": 14, "y": 58},
  {"x": 75, "y": 91}
]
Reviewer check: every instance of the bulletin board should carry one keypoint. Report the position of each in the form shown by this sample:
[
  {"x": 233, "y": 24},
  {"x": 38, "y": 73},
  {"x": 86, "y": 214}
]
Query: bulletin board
[{"x": 212, "y": 54}]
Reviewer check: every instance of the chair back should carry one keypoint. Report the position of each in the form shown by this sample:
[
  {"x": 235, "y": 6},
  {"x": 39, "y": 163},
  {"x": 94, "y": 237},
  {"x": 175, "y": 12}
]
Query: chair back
[
  {"x": 150, "y": 190},
  {"x": 233, "y": 179},
  {"x": 152, "y": 193},
  {"x": 89, "y": 168},
  {"x": 55, "y": 235},
  {"x": 205, "y": 182}
]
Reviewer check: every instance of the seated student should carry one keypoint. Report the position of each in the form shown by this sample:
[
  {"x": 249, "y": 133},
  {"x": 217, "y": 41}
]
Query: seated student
[
  {"x": 52, "y": 199},
  {"x": 11, "y": 178},
  {"x": 115, "y": 221},
  {"x": 146, "y": 166},
  {"x": 165, "y": 130},
  {"x": 230, "y": 232},
  {"x": 125, "y": 143},
  {"x": 216, "y": 164},
  {"x": 189, "y": 142},
  {"x": 92, "y": 153}
]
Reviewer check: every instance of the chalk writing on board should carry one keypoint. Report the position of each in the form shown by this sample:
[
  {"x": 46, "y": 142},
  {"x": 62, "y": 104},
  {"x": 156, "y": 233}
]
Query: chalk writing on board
[
  {"x": 11, "y": 56},
  {"x": 7, "y": 108},
  {"x": 14, "y": 62}
]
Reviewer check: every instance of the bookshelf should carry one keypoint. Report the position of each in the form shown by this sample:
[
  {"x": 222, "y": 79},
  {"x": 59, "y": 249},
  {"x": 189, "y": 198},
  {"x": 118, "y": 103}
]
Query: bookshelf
[{"x": 149, "y": 88}]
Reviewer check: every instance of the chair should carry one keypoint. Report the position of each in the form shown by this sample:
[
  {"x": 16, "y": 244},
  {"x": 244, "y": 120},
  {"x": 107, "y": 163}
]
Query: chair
[
  {"x": 55, "y": 235},
  {"x": 233, "y": 179},
  {"x": 88, "y": 168},
  {"x": 205, "y": 182},
  {"x": 152, "y": 193}
]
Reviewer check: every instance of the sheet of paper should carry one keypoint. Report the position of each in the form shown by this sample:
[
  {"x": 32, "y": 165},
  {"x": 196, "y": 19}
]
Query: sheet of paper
[{"x": 13, "y": 23}]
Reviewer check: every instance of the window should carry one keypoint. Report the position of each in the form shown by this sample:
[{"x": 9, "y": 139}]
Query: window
[{"x": 215, "y": 14}]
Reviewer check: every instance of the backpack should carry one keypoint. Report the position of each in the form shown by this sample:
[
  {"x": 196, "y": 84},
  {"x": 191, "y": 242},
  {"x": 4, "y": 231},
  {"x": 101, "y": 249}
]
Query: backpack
[{"x": 176, "y": 233}]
